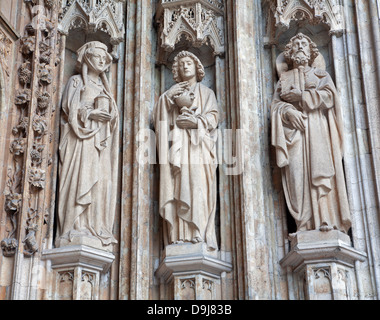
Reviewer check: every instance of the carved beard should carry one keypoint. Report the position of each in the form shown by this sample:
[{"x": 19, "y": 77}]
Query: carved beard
[{"x": 300, "y": 58}]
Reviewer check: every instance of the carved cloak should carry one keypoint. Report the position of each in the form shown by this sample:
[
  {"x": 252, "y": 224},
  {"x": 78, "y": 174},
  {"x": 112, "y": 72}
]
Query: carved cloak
[
  {"x": 88, "y": 172},
  {"x": 188, "y": 168},
  {"x": 311, "y": 161}
]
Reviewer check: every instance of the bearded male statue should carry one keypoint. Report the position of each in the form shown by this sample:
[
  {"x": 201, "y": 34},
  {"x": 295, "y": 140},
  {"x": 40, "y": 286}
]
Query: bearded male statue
[
  {"x": 307, "y": 133},
  {"x": 88, "y": 151},
  {"x": 185, "y": 119}
]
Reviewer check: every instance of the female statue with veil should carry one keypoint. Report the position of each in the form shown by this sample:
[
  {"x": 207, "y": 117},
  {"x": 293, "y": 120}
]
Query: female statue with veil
[{"x": 88, "y": 151}]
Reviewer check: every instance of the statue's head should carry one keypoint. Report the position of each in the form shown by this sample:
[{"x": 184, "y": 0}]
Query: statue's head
[
  {"x": 187, "y": 65},
  {"x": 300, "y": 50},
  {"x": 95, "y": 55}
]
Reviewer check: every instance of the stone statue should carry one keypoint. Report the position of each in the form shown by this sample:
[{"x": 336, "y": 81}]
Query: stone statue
[
  {"x": 307, "y": 133},
  {"x": 186, "y": 119},
  {"x": 88, "y": 151}
]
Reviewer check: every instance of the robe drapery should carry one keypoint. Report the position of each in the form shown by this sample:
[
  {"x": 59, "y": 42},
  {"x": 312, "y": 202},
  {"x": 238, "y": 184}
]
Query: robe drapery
[
  {"x": 311, "y": 161},
  {"x": 187, "y": 157},
  {"x": 88, "y": 168}
]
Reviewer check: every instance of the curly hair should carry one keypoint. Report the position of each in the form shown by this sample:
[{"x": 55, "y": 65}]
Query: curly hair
[
  {"x": 314, "y": 52},
  {"x": 199, "y": 67}
]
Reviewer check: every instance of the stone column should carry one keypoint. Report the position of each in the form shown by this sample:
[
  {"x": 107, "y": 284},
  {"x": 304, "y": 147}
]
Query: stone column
[
  {"x": 136, "y": 223},
  {"x": 323, "y": 264}
]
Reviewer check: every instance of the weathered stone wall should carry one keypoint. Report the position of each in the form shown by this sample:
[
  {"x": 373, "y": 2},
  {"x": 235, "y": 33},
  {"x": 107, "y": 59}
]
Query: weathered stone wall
[{"x": 253, "y": 222}]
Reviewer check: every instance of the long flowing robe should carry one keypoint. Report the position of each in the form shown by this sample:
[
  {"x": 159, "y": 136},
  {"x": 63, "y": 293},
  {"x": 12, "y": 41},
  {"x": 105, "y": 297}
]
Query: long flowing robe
[
  {"x": 88, "y": 168},
  {"x": 311, "y": 161},
  {"x": 187, "y": 194}
]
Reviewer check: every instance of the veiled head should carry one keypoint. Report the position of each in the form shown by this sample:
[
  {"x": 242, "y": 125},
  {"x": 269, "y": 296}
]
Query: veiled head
[{"x": 95, "y": 55}]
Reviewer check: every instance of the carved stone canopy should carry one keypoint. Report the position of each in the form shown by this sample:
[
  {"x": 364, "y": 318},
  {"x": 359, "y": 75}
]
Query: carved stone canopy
[
  {"x": 199, "y": 21},
  {"x": 93, "y": 16},
  {"x": 311, "y": 11}
]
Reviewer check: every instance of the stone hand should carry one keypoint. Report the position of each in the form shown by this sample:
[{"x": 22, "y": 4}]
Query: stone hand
[
  {"x": 292, "y": 96},
  {"x": 99, "y": 115},
  {"x": 187, "y": 121},
  {"x": 297, "y": 119},
  {"x": 178, "y": 89}
]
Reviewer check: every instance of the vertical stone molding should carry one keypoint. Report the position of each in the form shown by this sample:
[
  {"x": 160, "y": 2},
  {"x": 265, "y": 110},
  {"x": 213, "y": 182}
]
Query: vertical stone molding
[
  {"x": 323, "y": 263},
  {"x": 28, "y": 192},
  {"x": 6, "y": 48}
]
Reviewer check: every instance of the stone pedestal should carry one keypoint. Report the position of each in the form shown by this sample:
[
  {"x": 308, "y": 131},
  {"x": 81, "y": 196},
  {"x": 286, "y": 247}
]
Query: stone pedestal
[
  {"x": 323, "y": 265},
  {"x": 192, "y": 272},
  {"x": 77, "y": 271},
  {"x": 83, "y": 240}
]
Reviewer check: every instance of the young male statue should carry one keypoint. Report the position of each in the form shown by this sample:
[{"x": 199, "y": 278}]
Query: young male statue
[
  {"x": 88, "y": 150},
  {"x": 186, "y": 118},
  {"x": 307, "y": 132}
]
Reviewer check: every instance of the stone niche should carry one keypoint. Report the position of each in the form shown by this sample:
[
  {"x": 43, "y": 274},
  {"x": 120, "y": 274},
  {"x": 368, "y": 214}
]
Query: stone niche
[
  {"x": 320, "y": 264},
  {"x": 79, "y": 265},
  {"x": 188, "y": 271}
]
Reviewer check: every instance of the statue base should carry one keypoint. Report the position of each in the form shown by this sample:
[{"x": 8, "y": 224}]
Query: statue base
[
  {"x": 323, "y": 265},
  {"x": 77, "y": 270},
  {"x": 192, "y": 272},
  {"x": 83, "y": 240}
]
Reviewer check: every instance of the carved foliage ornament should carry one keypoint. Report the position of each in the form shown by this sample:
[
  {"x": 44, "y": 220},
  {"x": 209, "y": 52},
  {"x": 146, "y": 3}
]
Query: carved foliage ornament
[
  {"x": 200, "y": 22},
  {"x": 38, "y": 46},
  {"x": 30, "y": 241},
  {"x": 312, "y": 11}
]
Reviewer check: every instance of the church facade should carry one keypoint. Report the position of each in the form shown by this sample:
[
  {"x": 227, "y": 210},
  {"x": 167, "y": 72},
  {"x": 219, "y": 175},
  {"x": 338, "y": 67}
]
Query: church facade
[{"x": 190, "y": 150}]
